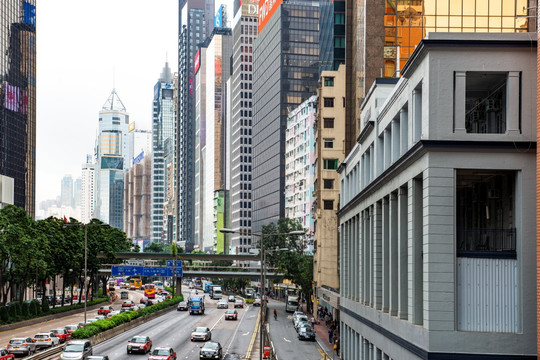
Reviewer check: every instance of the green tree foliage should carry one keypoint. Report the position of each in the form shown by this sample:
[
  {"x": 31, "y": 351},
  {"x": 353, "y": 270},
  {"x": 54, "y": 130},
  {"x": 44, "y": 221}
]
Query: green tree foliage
[
  {"x": 294, "y": 263},
  {"x": 157, "y": 247},
  {"x": 4, "y": 316}
]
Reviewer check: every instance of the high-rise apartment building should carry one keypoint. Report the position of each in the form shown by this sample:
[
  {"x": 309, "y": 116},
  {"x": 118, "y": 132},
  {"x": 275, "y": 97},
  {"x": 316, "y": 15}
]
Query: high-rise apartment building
[
  {"x": 191, "y": 32},
  {"x": 286, "y": 73},
  {"x": 87, "y": 190},
  {"x": 162, "y": 131},
  {"x": 77, "y": 188},
  {"x": 112, "y": 160},
  {"x": 299, "y": 164},
  {"x": 18, "y": 94},
  {"x": 245, "y": 30},
  {"x": 137, "y": 199},
  {"x": 66, "y": 191}
]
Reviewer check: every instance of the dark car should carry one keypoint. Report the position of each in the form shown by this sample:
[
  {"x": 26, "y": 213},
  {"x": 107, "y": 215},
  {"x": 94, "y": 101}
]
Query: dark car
[
  {"x": 139, "y": 344},
  {"x": 211, "y": 350},
  {"x": 306, "y": 333},
  {"x": 231, "y": 315},
  {"x": 182, "y": 306}
]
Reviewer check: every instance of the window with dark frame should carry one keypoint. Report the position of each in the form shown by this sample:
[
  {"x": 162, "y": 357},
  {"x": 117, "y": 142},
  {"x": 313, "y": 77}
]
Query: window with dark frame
[
  {"x": 328, "y": 204},
  {"x": 328, "y": 183},
  {"x": 328, "y": 102},
  {"x": 328, "y": 123}
]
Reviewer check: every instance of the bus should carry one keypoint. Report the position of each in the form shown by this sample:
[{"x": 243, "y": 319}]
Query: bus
[
  {"x": 135, "y": 284},
  {"x": 159, "y": 285},
  {"x": 150, "y": 291}
]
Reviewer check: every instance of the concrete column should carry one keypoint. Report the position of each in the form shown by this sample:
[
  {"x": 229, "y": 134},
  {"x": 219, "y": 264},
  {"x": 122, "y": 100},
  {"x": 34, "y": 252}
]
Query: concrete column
[
  {"x": 417, "y": 115},
  {"x": 396, "y": 135},
  {"x": 404, "y": 131},
  {"x": 387, "y": 148},
  {"x": 402, "y": 257},
  {"x": 416, "y": 273},
  {"x": 385, "y": 255},
  {"x": 512, "y": 103},
  {"x": 459, "y": 101},
  {"x": 394, "y": 253},
  {"x": 377, "y": 255}
]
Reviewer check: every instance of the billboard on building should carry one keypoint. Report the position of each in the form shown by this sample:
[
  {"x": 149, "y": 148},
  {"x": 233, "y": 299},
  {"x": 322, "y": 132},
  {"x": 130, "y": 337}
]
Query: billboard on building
[
  {"x": 267, "y": 8},
  {"x": 131, "y": 126},
  {"x": 197, "y": 60},
  {"x": 250, "y": 7},
  {"x": 218, "y": 19},
  {"x": 29, "y": 13},
  {"x": 138, "y": 158}
]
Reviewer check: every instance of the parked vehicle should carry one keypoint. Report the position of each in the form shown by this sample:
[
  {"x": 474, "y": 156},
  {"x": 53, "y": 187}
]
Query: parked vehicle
[
  {"x": 292, "y": 303},
  {"x": 306, "y": 333}
]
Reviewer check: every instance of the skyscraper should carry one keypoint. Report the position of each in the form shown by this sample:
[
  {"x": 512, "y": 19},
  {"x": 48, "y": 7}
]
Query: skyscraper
[
  {"x": 286, "y": 73},
  {"x": 18, "y": 94},
  {"x": 66, "y": 192},
  {"x": 162, "y": 130},
  {"x": 191, "y": 32},
  {"x": 87, "y": 190},
  {"x": 245, "y": 30},
  {"x": 332, "y": 34},
  {"x": 112, "y": 160}
]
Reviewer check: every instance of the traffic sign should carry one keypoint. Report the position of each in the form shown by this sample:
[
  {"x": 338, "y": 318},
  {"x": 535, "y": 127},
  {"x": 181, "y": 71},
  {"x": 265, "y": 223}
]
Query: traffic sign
[
  {"x": 155, "y": 271},
  {"x": 127, "y": 270},
  {"x": 177, "y": 263}
]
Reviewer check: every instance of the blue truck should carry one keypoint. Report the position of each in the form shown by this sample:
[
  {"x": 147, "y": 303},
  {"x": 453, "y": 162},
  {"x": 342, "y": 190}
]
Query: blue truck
[
  {"x": 207, "y": 287},
  {"x": 196, "y": 305}
]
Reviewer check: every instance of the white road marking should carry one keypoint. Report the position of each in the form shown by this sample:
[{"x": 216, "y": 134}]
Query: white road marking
[
  {"x": 287, "y": 340},
  {"x": 246, "y": 333},
  {"x": 236, "y": 331}
]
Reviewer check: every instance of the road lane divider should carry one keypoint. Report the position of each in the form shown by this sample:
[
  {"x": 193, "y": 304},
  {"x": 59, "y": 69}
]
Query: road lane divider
[{"x": 252, "y": 341}]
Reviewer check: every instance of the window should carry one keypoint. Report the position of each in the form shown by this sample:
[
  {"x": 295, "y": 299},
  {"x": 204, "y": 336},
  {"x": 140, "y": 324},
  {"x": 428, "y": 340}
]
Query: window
[
  {"x": 328, "y": 204},
  {"x": 339, "y": 42},
  {"x": 485, "y": 103},
  {"x": 330, "y": 164},
  {"x": 328, "y": 81},
  {"x": 328, "y": 143},
  {"x": 328, "y": 102},
  {"x": 486, "y": 219},
  {"x": 328, "y": 183},
  {"x": 339, "y": 19},
  {"x": 328, "y": 123}
]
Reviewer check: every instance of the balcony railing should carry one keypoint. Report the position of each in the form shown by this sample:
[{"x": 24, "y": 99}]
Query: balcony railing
[{"x": 486, "y": 242}]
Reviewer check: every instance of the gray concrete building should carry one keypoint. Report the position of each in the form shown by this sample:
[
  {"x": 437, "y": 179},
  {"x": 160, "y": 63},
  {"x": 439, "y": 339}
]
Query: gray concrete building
[{"x": 437, "y": 250}]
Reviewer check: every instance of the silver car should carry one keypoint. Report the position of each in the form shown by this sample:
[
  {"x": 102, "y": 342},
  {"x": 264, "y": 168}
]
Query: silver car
[
  {"x": 76, "y": 350},
  {"x": 21, "y": 345}
]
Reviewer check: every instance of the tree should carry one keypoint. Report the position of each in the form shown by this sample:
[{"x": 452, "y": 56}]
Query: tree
[
  {"x": 156, "y": 247},
  {"x": 294, "y": 263}
]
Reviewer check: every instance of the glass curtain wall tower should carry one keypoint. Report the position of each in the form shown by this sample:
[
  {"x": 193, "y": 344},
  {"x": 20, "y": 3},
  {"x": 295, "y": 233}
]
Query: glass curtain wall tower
[
  {"x": 18, "y": 99},
  {"x": 191, "y": 32},
  {"x": 162, "y": 130}
]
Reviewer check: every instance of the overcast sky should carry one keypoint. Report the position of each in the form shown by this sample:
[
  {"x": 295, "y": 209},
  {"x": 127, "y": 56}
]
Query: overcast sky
[{"x": 84, "y": 49}]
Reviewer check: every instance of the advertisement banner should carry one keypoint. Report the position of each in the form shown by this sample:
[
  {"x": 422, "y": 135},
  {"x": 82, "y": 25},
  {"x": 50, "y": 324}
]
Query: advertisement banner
[
  {"x": 197, "y": 60},
  {"x": 218, "y": 19},
  {"x": 267, "y": 8},
  {"x": 11, "y": 97}
]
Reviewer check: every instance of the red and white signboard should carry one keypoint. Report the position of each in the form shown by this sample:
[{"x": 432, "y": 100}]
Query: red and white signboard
[{"x": 267, "y": 8}]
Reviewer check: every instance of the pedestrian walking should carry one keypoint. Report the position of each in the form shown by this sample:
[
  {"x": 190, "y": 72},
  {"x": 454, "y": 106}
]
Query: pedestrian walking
[{"x": 330, "y": 335}]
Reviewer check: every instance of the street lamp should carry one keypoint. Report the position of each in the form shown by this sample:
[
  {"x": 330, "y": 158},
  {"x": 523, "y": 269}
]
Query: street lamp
[{"x": 263, "y": 260}]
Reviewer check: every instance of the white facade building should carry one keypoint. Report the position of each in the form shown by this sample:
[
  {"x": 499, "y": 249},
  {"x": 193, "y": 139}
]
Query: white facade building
[
  {"x": 300, "y": 163},
  {"x": 437, "y": 228},
  {"x": 87, "y": 190},
  {"x": 140, "y": 144}
]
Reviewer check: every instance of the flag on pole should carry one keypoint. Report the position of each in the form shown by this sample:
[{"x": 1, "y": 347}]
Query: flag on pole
[{"x": 65, "y": 219}]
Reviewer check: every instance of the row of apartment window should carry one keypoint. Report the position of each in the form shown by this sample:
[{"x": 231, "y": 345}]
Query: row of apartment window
[
  {"x": 248, "y": 49},
  {"x": 247, "y": 85},
  {"x": 249, "y": 29},
  {"x": 329, "y": 102}
]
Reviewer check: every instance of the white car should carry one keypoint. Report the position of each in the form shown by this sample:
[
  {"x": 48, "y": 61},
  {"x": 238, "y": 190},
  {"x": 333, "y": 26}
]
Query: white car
[
  {"x": 47, "y": 339},
  {"x": 222, "y": 304}
]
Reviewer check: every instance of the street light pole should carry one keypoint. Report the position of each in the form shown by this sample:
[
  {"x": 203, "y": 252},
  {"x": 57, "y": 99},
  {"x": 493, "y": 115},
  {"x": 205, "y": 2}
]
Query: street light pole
[
  {"x": 262, "y": 277},
  {"x": 85, "y": 270}
]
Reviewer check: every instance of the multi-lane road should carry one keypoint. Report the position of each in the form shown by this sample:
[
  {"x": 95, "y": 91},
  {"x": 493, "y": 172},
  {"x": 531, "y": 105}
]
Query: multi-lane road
[{"x": 173, "y": 328}]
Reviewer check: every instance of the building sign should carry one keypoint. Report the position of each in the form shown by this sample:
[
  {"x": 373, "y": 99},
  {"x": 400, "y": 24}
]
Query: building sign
[
  {"x": 218, "y": 19},
  {"x": 197, "y": 60},
  {"x": 29, "y": 13},
  {"x": 131, "y": 126},
  {"x": 250, "y": 7},
  {"x": 267, "y": 8},
  {"x": 11, "y": 97},
  {"x": 138, "y": 158}
]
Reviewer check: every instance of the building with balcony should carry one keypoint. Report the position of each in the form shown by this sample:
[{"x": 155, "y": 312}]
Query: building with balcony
[{"x": 437, "y": 259}]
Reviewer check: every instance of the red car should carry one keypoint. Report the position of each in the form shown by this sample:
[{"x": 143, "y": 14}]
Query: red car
[
  {"x": 127, "y": 303},
  {"x": 4, "y": 355},
  {"x": 163, "y": 353},
  {"x": 62, "y": 334},
  {"x": 104, "y": 310},
  {"x": 231, "y": 315},
  {"x": 141, "y": 344}
]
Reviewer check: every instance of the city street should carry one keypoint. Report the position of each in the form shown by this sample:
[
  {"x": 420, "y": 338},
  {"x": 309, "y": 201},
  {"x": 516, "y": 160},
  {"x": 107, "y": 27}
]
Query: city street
[{"x": 285, "y": 338}]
